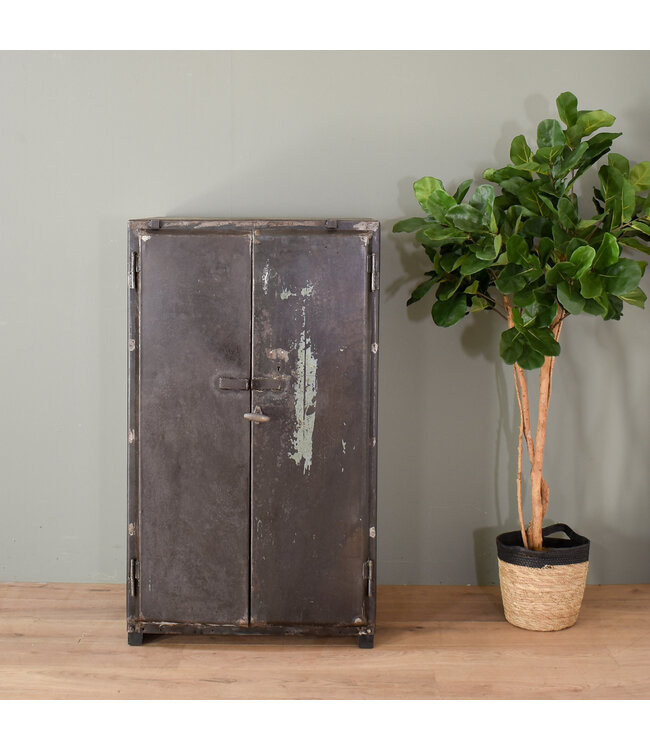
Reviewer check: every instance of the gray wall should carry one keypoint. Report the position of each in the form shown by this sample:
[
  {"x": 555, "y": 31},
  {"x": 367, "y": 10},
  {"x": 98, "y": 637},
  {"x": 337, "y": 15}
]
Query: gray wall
[{"x": 89, "y": 140}]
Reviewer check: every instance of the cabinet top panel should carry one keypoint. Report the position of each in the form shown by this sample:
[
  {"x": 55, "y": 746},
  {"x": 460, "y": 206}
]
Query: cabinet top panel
[{"x": 358, "y": 225}]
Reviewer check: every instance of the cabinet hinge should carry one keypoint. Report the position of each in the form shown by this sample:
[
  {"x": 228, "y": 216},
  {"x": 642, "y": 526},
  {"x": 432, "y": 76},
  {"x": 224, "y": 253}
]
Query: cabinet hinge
[
  {"x": 373, "y": 270},
  {"x": 134, "y": 575},
  {"x": 368, "y": 575},
  {"x": 134, "y": 269}
]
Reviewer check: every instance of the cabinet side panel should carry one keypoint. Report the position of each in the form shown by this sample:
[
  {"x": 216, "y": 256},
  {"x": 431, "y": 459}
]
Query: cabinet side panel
[
  {"x": 311, "y": 460},
  {"x": 194, "y": 442}
]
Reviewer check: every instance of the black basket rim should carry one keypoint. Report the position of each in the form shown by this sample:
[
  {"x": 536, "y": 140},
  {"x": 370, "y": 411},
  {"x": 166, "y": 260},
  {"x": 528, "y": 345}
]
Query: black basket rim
[{"x": 569, "y": 551}]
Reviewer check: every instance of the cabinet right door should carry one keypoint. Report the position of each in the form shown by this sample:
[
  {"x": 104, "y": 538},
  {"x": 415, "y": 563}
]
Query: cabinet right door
[{"x": 312, "y": 463}]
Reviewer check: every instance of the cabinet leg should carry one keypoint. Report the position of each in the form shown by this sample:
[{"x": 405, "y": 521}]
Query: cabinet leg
[
  {"x": 366, "y": 641},
  {"x": 135, "y": 639}
]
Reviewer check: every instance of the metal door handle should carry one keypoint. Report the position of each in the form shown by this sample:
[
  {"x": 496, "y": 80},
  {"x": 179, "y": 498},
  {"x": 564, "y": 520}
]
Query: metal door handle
[{"x": 257, "y": 416}]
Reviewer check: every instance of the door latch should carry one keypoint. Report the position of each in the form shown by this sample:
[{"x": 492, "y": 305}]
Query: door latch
[{"x": 257, "y": 416}]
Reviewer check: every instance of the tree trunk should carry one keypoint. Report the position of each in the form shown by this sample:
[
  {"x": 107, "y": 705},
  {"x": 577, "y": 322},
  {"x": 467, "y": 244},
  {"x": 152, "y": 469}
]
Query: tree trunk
[
  {"x": 538, "y": 488},
  {"x": 532, "y": 536},
  {"x": 536, "y": 479}
]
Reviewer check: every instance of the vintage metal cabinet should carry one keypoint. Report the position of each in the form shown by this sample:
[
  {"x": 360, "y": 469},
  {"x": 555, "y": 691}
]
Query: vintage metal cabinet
[{"x": 252, "y": 427}]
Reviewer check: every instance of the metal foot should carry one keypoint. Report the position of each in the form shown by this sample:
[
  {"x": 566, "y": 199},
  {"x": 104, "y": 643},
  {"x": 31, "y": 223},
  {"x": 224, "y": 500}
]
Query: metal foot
[
  {"x": 366, "y": 641},
  {"x": 135, "y": 639}
]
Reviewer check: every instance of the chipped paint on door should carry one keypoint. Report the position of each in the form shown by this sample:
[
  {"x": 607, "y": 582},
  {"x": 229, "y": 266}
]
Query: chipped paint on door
[
  {"x": 265, "y": 277},
  {"x": 305, "y": 391}
]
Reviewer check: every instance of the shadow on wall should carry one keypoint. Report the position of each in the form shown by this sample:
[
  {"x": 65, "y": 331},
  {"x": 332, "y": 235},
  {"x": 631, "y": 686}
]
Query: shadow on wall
[
  {"x": 606, "y": 543},
  {"x": 479, "y": 339}
]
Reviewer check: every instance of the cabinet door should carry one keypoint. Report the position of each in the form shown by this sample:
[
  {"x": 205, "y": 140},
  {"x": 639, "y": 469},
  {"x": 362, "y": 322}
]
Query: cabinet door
[
  {"x": 311, "y": 461},
  {"x": 194, "y": 444}
]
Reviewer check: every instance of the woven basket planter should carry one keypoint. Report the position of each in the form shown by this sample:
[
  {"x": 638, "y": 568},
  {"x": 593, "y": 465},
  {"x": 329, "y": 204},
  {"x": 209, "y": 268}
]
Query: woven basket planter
[{"x": 543, "y": 590}]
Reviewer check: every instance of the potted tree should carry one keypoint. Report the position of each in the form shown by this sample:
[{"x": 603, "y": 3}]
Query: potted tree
[{"x": 530, "y": 255}]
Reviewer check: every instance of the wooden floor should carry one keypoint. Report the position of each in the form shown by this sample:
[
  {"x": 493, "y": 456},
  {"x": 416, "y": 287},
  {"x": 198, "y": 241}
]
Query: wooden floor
[{"x": 69, "y": 641}]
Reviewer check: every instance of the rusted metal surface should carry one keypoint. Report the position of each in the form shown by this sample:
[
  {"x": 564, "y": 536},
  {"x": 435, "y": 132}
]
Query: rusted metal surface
[{"x": 252, "y": 426}]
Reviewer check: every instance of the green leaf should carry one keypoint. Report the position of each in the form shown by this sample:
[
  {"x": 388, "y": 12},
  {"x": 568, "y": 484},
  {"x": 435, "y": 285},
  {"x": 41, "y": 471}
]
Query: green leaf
[
  {"x": 434, "y": 256},
  {"x": 535, "y": 166},
  {"x": 623, "y": 277},
  {"x": 517, "y": 249},
  {"x": 466, "y": 218},
  {"x": 570, "y": 298},
  {"x": 582, "y": 259},
  {"x": 619, "y": 194},
  {"x": 631, "y": 242},
  {"x": 643, "y": 206},
  {"x": 424, "y": 187},
  {"x": 517, "y": 319},
  {"x": 483, "y": 201},
  {"x": 608, "y": 252},
  {"x": 598, "y": 146},
  {"x": 438, "y": 203},
  {"x": 473, "y": 264},
  {"x": 560, "y": 237},
  {"x": 506, "y": 173},
  {"x": 544, "y": 249},
  {"x": 530, "y": 359},
  {"x": 574, "y": 244},
  {"x": 591, "y": 286},
  {"x": 640, "y": 176},
  {"x": 461, "y": 190},
  {"x": 560, "y": 271},
  {"x": 619, "y": 162},
  {"x": 511, "y": 345},
  {"x": 439, "y": 235},
  {"x": 567, "y": 107},
  {"x": 614, "y": 308},
  {"x": 479, "y": 303},
  {"x": 542, "y": 341},
  {"x": 564, "y": 166},
  {"x": 636, "y": 297},
  {"x": 543, "y": 310},
  {"x": 537, "y": 226},
  {"x": 524, "y": 298},
  {"x": 488, "y": 249},
  {"x": 567, "y": 213},
  {"x": 549, "y": 134},
  {"x": 549, "y": 204},
  {"x": 447, "y": 261},
  {"x": 547, "y": 155},
  {"x": 596, "y": 307},
  {"x": 511, "y": 279},
  {"x": 586, "y": 123},
  {"x": 472, "y": 288},
  {"x": 447, "y": 312},
  {"x": 639, "y": 226},
  {"x": 520, "y": 151},
  {"x": 420, "y": 290},
  {"x": 410, "y": 225},
  {"x": 448, "y": 289},
  {"x": 528, "y": 194}
]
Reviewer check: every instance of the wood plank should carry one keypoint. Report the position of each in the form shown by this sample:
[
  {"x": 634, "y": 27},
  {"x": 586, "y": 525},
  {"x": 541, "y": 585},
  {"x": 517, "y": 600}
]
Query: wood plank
[{"x": 69, "y": 641}]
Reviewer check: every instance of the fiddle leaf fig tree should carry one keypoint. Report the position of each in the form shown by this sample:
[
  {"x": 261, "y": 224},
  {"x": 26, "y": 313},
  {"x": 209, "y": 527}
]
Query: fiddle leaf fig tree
[{"x": 529, "y": 253}]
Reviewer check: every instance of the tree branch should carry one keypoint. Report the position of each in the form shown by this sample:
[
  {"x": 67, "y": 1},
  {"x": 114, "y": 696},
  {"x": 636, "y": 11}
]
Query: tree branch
[{"x": 520, "y": 507}]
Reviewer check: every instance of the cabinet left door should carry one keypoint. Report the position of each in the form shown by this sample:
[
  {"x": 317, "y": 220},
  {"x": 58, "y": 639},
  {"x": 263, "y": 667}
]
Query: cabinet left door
[{"x": 189, "y": 444}]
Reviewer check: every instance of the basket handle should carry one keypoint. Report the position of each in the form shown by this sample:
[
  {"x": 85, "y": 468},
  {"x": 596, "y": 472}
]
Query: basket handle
[{"x": 561, "y": 527}]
